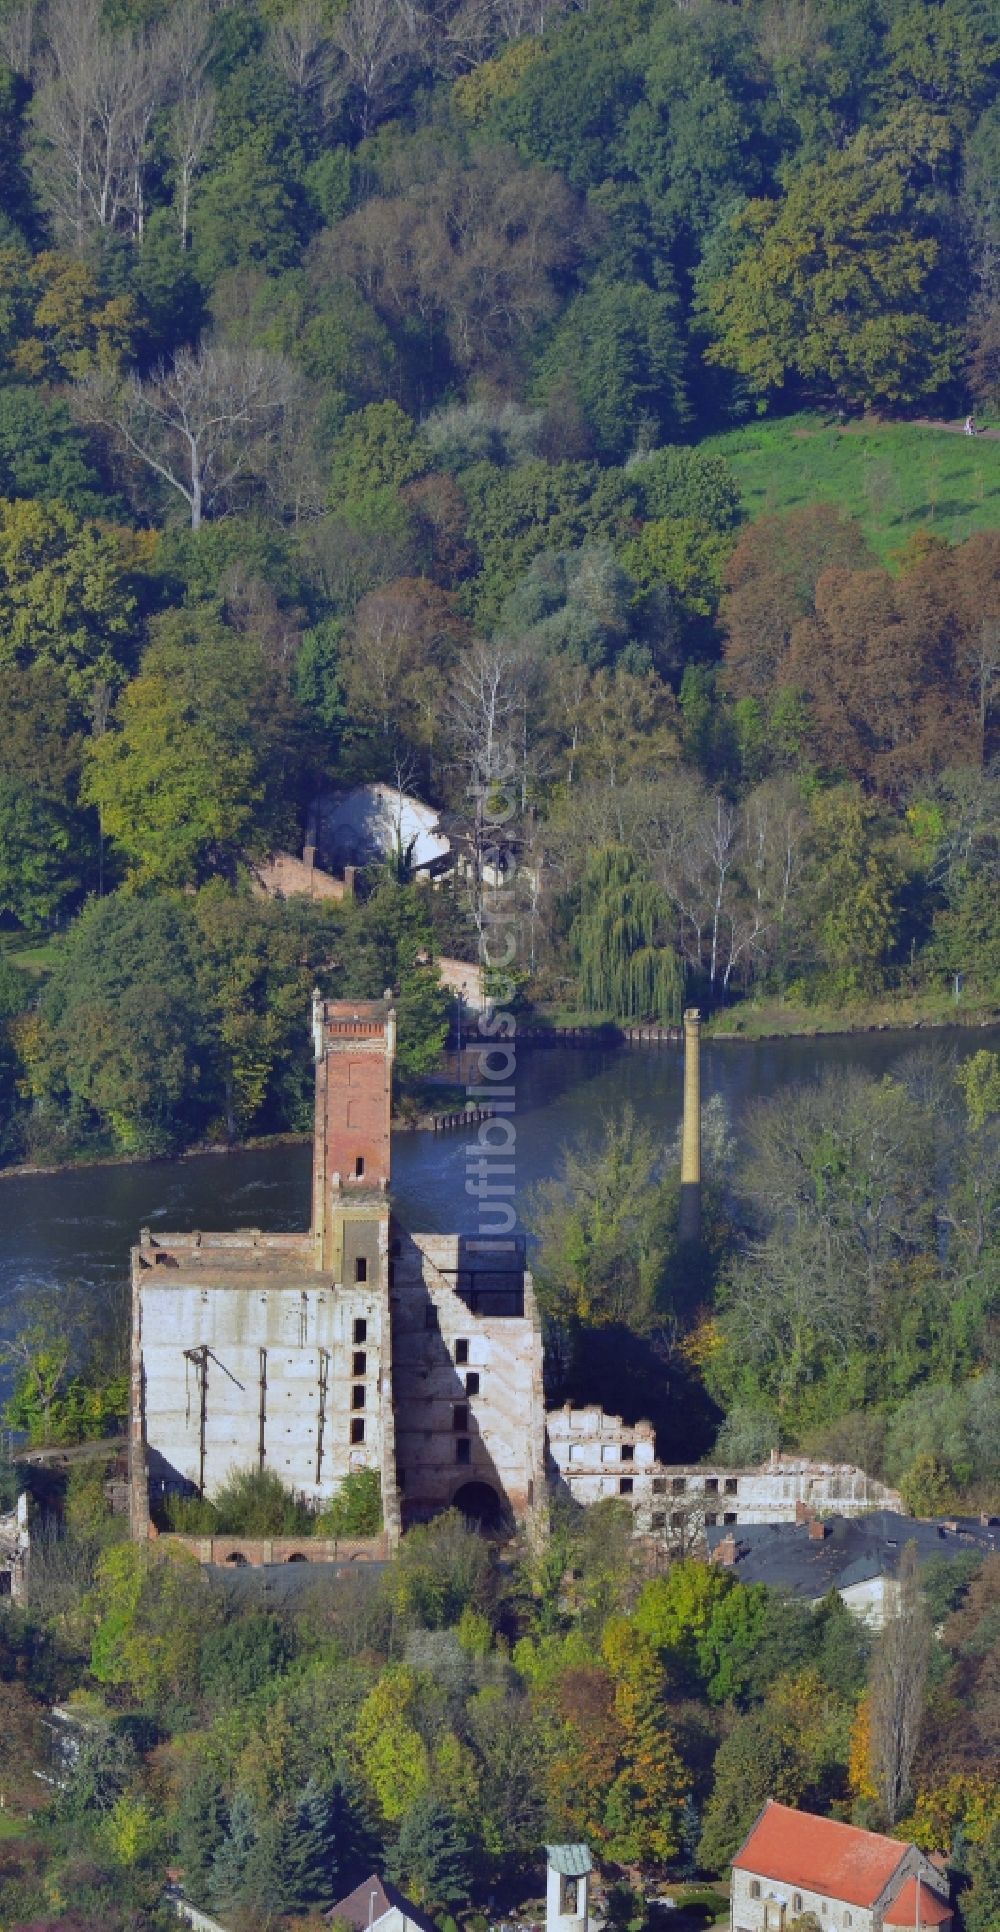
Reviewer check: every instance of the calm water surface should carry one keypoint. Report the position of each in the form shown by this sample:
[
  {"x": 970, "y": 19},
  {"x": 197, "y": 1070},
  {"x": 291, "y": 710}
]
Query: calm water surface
[{"x": 79, "y": 1225}]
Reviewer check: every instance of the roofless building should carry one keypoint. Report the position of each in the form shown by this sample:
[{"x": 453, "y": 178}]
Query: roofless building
[
  {"x": 354, "y": 1345},
  {"x": 357, "y": 1344}
]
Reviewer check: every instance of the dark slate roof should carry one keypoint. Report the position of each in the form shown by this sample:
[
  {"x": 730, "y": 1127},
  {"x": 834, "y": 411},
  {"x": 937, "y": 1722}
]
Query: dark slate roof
[
  {"x": 856, "y": 1549},
  {"x": 371, "y": 1900}
]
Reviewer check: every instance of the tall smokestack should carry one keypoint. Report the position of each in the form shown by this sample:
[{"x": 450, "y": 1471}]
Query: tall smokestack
[{"x": 690, "y": 1222}]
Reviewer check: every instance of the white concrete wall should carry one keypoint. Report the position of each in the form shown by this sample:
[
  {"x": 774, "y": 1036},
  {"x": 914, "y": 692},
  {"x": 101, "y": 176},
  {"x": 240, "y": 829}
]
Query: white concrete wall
[
  {"x": 557, "y": 1918},
  {"x": 869, "y": 1601},
  {"x": 461, "y": 977},
  {"x": 289, "y": 1343}
]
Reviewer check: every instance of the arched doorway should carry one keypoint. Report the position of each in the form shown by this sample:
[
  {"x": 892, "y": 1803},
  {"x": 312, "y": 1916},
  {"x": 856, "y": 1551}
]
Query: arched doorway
[{"x": 484, "y": 1509}]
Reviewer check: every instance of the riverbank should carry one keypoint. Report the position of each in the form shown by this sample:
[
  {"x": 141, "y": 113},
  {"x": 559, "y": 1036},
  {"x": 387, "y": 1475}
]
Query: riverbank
[
  {"x": 441, "y": 1095},
  {"x": 76, "y": 1162},
  {"x": 451, "y": 1099},
  {"x": 895, "y": 1013},
  {"x": 777, "y": 1019},
  {"x": 890, "y": 1015}
]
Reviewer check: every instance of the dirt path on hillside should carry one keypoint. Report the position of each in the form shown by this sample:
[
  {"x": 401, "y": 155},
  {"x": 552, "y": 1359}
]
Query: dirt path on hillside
[{"x": 956, "y": 429}]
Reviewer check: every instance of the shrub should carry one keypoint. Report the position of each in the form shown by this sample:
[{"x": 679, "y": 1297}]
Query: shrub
[
  {"x": 356, "y": 1510},
  {"x": 255, "y": 1502}
]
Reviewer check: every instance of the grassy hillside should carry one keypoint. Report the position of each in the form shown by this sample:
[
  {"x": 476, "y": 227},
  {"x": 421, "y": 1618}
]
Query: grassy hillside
[{"x": 895, "y": 478}]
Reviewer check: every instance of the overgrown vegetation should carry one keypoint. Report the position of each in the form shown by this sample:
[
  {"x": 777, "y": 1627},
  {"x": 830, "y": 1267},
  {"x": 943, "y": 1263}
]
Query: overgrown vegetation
[
  {"x": 842, "y": 1299},
  {"x": 381, "y": 384},
  {"x": 442, "y": 1717},
  {"x": 255, "y": 1502}
]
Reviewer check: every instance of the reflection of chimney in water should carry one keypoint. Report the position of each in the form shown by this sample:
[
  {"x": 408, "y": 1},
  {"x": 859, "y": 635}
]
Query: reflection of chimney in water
[{"x": 690, "y": 1222}]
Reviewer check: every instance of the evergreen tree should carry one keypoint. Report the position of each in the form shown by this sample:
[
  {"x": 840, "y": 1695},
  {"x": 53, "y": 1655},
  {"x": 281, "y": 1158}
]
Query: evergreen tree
[
  {"x": 430, "y": 1858},
  {"x": 311, "y": 1861},
  {"x": 201, "y": 1830},
  {"x": 232, "y": 1861},
  {"x": 981, "y": 1903}
]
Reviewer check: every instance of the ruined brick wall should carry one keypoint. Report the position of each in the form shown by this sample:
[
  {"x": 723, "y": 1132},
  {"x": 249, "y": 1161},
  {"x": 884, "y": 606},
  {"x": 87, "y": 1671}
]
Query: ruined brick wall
[
  {"x": 254, "y": 1551},
  {"x": 286, "y": 877},
  {"x": 596, "y": 1455},
  {"x": 467, "y": 1375}
]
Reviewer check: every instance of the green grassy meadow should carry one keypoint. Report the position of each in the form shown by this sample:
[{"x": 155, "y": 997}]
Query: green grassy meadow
[{"x": 895, "y": 478}]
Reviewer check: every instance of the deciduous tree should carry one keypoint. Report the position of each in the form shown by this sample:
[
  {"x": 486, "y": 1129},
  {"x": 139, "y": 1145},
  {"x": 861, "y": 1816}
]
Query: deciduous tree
[
  {"x": 838, "y": 285},
  {"x": 66, "y": 596},
  {"x": 898, "y": 1675},
  {"x": 205, "y": 423},
  {"x": 603, "y": 1231},
  {"x": 180, "y": 784},
  {"x": 479, "y": 251},
  {"x": 93, "y": 111}
]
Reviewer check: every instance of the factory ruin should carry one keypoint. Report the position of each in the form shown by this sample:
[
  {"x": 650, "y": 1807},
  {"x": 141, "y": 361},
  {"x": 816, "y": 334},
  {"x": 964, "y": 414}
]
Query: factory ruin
[{"x": 358, "y": 1344}]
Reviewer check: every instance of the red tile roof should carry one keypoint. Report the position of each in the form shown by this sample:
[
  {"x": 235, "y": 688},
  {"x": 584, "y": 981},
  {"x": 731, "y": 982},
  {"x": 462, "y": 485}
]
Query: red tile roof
[
  {"x": 797, "y": 1848},
  {"x": 903, "y": 1910}
]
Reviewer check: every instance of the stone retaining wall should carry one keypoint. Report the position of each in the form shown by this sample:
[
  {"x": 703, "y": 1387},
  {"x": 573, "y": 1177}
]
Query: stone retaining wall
[{"x": 255, "y": 1551}]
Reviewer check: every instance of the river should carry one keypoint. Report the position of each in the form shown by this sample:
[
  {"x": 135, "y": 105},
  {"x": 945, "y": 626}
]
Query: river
[{"x": 78, "y": 1225}]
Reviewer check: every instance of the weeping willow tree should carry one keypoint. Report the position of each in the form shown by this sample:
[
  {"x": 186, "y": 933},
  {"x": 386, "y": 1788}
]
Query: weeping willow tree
[{"x": 626, "y": 970}]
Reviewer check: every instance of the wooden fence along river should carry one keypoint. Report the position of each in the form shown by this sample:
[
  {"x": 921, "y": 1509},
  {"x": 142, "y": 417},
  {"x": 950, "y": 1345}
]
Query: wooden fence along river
[{"x": 594, "y": 1036}]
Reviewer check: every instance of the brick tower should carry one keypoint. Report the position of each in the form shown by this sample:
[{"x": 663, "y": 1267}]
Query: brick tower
[{"x": 354, "y": 1043}]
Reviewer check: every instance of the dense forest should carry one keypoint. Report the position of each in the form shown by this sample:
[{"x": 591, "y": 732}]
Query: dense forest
[
  {"x": 379, "y": 379},
  {"x": 376, "y": 378},
  {"x": 442, "y": 1718}
]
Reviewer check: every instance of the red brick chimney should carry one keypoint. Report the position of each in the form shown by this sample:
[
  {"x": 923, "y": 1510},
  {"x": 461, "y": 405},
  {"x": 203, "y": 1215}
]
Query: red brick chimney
[{"x": 354, "y": 1043}]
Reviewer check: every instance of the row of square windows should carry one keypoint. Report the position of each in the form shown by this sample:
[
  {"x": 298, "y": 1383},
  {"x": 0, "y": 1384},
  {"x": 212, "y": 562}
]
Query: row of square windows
[
  {"x": 658, "y": 1519},
  {"x": 678, "y": 1484}
]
